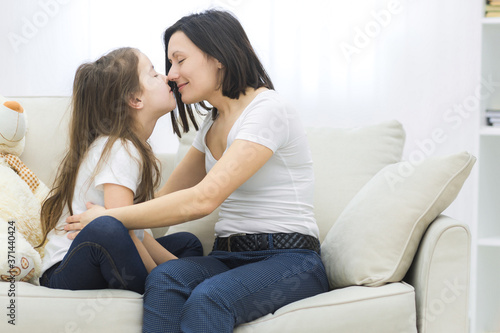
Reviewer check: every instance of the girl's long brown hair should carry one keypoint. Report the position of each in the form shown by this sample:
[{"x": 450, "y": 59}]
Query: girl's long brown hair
[{"x": 100, "y": 107}]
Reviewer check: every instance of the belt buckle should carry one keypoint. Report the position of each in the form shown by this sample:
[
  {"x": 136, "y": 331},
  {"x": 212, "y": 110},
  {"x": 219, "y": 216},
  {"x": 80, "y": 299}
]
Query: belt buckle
[{"x": 229, "y": 240}]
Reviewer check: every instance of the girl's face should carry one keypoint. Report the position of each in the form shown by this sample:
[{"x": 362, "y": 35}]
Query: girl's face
[
  {"x": 156, "y": 93},
  {"x": 195, "y": 73}
]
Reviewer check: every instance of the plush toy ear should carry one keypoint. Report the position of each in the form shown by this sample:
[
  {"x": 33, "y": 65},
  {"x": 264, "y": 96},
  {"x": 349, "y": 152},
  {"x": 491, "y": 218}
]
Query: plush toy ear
[
  {"x": 13, "y": 105},
  {"x": 13, "y": 127}
]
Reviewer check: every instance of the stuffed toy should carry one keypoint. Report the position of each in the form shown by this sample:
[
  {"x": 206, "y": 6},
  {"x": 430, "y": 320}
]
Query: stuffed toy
[{"x": 21, "y": 196}]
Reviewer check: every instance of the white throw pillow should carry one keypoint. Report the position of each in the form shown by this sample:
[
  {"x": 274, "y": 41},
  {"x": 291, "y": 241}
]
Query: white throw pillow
[
  {"x": 377, "y": 235},
  {"x": 345, "y": 159}
]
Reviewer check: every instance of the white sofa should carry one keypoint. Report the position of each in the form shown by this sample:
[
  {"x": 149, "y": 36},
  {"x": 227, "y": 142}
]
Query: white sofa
[{"x": 431, "y": 297}]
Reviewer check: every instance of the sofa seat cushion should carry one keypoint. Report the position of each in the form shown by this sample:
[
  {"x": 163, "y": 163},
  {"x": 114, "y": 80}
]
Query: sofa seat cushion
[
  {"x": 389, "y": 308},
  {"x": 40, "y": 309}
]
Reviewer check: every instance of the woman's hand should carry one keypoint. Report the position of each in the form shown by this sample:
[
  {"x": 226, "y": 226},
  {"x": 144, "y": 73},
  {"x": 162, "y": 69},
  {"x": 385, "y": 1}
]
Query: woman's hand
[{"x": 79, "y": 221}]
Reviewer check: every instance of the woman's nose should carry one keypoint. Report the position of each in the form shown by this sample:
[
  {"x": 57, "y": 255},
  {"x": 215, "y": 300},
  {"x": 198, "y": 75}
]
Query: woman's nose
[{"x": 172, "y": 74}]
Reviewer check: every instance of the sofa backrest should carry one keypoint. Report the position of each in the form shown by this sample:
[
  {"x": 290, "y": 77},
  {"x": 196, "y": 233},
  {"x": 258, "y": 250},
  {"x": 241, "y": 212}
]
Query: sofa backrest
[
  {"x": 47, "y": 134},
  {"x": 344, "y": 159}
]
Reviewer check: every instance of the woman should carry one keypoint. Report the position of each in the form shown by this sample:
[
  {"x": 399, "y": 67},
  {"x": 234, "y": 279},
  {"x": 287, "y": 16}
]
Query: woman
[{"x": 251, "y": 158}]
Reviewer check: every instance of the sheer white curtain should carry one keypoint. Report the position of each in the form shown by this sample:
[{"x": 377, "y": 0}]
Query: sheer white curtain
[
  {"x": 341, "y": 63},
  {"x": 348, "y": 63}
]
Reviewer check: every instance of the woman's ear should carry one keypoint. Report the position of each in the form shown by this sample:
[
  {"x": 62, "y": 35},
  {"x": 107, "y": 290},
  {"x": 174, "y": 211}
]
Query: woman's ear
[{"x": 135, "y": 102}]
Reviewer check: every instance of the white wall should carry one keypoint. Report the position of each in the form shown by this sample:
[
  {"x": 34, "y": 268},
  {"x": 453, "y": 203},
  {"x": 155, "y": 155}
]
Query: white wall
[{"x": 341, "y": 63}]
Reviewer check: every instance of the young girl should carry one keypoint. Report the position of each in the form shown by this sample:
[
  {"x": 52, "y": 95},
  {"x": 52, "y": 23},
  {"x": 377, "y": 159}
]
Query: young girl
[{"x": 116, "y": 103}]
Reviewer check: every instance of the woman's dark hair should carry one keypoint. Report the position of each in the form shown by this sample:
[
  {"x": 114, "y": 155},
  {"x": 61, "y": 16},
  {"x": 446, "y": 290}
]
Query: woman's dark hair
[{"x": 219, "y": 35}]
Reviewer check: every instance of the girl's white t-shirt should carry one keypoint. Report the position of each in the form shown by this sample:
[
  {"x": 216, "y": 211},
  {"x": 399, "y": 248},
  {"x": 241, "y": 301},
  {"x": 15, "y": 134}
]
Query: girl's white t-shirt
[
  {"x": 279, "y": 197},
  {"x": 122, "y": 167}
]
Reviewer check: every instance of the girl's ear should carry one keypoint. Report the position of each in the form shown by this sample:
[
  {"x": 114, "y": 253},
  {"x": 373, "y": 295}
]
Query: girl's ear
[{"x": 135, "y": 102}]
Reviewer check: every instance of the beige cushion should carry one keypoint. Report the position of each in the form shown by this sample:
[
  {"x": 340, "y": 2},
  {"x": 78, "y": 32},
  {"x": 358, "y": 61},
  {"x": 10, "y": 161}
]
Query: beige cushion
[
  {"x": 40, "y": 309},
  {"x": 46, "y": 138},
  {"x": 345, "y": 160},
  {"x": 375, "y": 238},
  {"x": 389, "y": 308}
]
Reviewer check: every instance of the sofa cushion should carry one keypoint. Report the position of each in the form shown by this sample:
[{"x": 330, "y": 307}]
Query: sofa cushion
[
  {"x": 40, "y": 309},
  {"x": 46, "y": 137},
  {"x": 345, "y": 160},
  {"x": 389, "y": 309},
  {"x": 376, "y": 237}
]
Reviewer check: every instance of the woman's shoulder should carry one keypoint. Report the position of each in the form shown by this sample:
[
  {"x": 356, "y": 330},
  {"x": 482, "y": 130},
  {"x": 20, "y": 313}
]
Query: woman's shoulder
[
  {"x": 268, "y": 95},
  {"x": 271, "y": 97},
  {"x": 270, "y": 102}
]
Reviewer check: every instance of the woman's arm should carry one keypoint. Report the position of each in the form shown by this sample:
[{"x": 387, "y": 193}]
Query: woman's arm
[
  {"x": 240, "y": 162},
  {"x": 189, "y": 172}
]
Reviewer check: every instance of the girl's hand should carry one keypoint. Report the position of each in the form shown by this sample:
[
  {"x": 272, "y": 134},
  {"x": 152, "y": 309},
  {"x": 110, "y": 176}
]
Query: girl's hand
[{"x": 79, "y": 221}]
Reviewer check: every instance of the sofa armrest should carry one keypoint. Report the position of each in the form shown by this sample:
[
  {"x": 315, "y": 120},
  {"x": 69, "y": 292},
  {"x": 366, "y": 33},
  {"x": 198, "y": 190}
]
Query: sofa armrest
[{"x": 440, "y": 275}]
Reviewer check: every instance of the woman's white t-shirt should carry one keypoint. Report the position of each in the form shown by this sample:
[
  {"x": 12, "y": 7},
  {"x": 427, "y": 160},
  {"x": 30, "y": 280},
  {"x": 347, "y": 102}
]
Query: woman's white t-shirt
[
  {"x": 122, "y": 167},
  {"x": 279, "y": 197}
]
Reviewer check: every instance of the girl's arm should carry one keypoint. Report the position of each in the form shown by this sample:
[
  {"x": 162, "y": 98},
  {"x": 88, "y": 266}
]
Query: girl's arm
[
  {"x": 240, "y": 162},
  {"x": 157, "y": 252},
  {"x": 119, "y": 196}
]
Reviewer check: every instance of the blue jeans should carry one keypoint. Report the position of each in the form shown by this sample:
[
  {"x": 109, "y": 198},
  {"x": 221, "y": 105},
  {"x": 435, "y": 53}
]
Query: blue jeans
[
  {"x": 224, "y": 289},
  {"x": 104, "y": 256}
]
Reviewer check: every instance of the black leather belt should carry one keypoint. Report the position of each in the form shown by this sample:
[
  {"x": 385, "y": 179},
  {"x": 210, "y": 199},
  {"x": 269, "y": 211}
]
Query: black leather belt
[{"x": 259, "y": 242}]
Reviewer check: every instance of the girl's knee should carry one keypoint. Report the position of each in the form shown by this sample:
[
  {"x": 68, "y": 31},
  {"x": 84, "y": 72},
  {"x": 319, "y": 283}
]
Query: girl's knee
[
  {"x": 104, "y": 228},
  {"x": 193, "y": 245},
  {"x": 106, "y": 224}
]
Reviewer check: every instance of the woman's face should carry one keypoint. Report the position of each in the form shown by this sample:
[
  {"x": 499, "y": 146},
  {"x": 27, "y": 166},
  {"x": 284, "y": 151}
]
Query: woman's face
[{"x": 195, "y": 73}]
